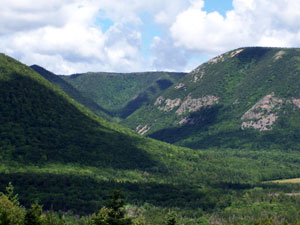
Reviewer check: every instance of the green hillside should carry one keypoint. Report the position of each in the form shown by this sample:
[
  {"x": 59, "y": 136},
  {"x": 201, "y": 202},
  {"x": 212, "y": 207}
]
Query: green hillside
[
  {"x": 56, "y": 151},
  {"x": 247, "y": 97},
  {"x": 71, "y": 91},
  {"x": 122, "y": 94}
]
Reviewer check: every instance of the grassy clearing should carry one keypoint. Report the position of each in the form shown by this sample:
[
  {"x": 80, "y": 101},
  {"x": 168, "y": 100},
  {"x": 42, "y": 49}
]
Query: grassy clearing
[{"x": 285, "y": 181}]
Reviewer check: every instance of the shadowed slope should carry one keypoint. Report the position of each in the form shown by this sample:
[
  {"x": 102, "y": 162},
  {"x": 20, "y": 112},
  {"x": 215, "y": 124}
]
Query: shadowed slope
[{"x": 40, "y": 124}]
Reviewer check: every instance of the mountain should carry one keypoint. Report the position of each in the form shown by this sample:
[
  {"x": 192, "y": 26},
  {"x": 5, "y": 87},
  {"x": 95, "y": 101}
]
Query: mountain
[
  {"x": 40, "y": 123},
  {"x": 71, "y": 91},
  {"x": 52, "y": 146},
  {"x": 56, "y": 151},
  {"x": 122, "y": 94},
  {"x": 245, "y": 98}
]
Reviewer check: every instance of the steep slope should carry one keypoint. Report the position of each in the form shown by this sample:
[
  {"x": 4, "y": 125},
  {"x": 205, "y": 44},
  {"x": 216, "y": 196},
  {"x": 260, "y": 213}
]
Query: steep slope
[
  {"x": 248, "y": 97},
  {"x": 71, "y": 91},
  {"x": 122, "y": 94},
  {"x": 40, "y": 123},
  {"x": 56, "y": 151}
]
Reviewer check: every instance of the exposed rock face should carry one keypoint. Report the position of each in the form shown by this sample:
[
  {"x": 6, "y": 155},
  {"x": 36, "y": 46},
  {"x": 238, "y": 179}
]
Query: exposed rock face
[
  {"x": 192, "y": 105},
  {"x": 170, "y": 104},
  {"x": 167, "y": 104},
  {"x": 199, "y": 76},
  {"x": 198, "y": 73},
  {"x": 180, "y": 85},
  {"x": 159, "y": 100},
  {"x": 279, "y": 55},
  {"x": 187, "y": 120},
  {"x": 236, "y": 52},
  {"x": 216, "y": 59},
  {"x": 263, "y": 124},
  {"x": 296, "y": 102},
  {"x": 142, "y": 129},
  {"x": 263, "y": 114}
]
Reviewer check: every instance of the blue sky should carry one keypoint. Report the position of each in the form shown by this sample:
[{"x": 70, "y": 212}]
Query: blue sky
[
  {"x": 150, "y": 29},
  {"x": 221, "y": 6},
  {"x": 71, "y": 36}
]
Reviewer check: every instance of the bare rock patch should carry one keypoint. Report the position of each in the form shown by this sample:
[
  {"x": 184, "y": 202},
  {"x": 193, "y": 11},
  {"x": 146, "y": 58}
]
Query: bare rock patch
[
  {"x": 167, "y": 104},
  {"x": 236, "y": 52},
  {"x": 217, "y": 59},
  {"x": 193, "y": 104},
  {"x": 140, "y": 129},
  {"x": 279, "y": 55},
  {"x": 180, "y": 85},
  {"x": 159, "y": 100},
  {"x": 296, "y": 102},
  {"x": 263, "y": 114}
]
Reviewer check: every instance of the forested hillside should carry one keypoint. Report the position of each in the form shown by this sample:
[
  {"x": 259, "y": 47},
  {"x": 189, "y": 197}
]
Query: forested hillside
[
  {"x": 122, "y": 94},
  {"x": 71, "y": 91},
  {"x": 57, "y": 152},
  {"x": 248, "y": 97}
]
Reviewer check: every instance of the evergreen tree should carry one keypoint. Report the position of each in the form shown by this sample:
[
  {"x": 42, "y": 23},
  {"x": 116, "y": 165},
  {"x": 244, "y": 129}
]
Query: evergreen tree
[
  {"x": 112, "y": 214},
  {"x": 33, "y": 215},
  {"x": 11, "y": 213},
  {"x": 170, "y": 219}
]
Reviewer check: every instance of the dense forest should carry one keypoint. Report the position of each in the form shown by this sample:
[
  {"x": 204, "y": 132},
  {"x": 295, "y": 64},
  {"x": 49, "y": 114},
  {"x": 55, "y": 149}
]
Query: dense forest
[
  {"x": 65, "y": 162},
  {"x": 112, "y": 96},
  {"x": 244, "y": 98}
]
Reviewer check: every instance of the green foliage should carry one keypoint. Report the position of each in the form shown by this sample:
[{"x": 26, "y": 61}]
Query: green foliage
[
  {"x": 33, "y": 215},
  {"x": 72, "y": 92},
  {"x": 11, "y": 213},
  {"x": 60, "y": 153},
  {"x": 122, "y": 94},
  {"x": 170, "y": 219},
  {"x": 112, "y": 213},
  {"x": 239, "y": 82},
  {"x": 116, "y": 204},
  {"x": 11, "y": 195},
  {"x": 52, "y": 218}
]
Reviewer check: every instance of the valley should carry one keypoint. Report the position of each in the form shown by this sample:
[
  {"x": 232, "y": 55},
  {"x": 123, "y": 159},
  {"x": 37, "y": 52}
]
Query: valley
[{"x": 69, "y": 141}]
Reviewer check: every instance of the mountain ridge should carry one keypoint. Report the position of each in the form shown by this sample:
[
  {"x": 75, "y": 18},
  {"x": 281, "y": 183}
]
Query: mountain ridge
[
  {"x": 221, "y": 91},
  {"x": 58, "y": 152},
  {"x": 122, "y": 93}
]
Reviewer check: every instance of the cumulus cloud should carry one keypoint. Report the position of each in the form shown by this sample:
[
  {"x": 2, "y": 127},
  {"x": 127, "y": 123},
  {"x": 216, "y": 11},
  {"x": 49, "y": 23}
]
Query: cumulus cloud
[
  {"x": 21, "y": 15},
  {"x": 74, "y": 44},
  {"x": 167, "y": 56},
  {"x": 64, "y": 36},
  {"x": 251, "y": 22}
]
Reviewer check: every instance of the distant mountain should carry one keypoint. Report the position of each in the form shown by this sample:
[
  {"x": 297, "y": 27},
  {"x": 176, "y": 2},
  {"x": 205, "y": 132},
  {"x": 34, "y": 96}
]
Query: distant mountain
[
  {"x": 71, "y": 91},
  {"x": 248, "y": 97},
  {"x": 122, "y": 94},
  {"x": 56, "y": 151},
  {"x": 40, "y": 123},
  {"x": 48, "y": 142}
]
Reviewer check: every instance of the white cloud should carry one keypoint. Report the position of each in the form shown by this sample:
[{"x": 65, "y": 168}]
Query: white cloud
[
  {"x": 21, "y": 15},
  {"x": 167, "y": 56},
  {"x": 251, "y": 22},
  {"x": 73, "y": 45},
  {"x": 63, "y": 35}
]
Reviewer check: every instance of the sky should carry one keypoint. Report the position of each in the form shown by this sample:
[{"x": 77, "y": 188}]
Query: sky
[{"x": 76, "y": 36}]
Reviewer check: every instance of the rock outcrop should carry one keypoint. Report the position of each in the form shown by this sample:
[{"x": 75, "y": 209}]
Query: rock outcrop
[
  {"x": 193, "y": 104},
  {"x": 263, "y": 114}
]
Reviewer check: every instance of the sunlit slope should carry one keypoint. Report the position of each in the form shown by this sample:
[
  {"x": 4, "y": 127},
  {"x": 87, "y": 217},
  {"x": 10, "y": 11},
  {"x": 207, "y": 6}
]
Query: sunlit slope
[
  {"x": 56, "y": 151},
  {"x": 248, "y": 97},
  {"x": 121, "y": 94}
]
